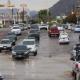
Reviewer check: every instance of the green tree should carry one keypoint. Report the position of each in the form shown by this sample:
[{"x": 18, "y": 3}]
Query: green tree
[
  {"x": 70, "y": 18},
  {"x": 44, "y": 15}
]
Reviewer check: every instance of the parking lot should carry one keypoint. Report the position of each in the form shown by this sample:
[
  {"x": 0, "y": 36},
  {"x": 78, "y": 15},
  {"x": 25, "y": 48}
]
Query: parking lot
[{"x": 51, "y": 63}]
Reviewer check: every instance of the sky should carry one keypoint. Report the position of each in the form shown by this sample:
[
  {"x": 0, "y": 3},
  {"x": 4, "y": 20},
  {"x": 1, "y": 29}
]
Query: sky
[{"x": 33, "y": 4}]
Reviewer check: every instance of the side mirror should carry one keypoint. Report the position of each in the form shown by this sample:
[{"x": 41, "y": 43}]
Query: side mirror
[{"x": 72, "y": 59}]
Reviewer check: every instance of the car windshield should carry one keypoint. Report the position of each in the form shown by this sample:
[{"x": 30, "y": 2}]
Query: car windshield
[
  {"x": 34, "y": 27},
  {"x": 28, "y": 42},
  {"x": 15, "y": 27},
  {"x": 63, "y": 36},
  {"x": 78, "y": 27},
  {"x": 78, "y": 57},
  {"x": 20, "y": 48},
  {"x": 33, "y": 31},
  {"x": 5, "y": 41},
  {"x": 11, "y": 33}
]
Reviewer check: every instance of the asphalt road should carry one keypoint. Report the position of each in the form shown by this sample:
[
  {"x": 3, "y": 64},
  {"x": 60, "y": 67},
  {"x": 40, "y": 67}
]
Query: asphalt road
[{"x": 51, "y": 63}]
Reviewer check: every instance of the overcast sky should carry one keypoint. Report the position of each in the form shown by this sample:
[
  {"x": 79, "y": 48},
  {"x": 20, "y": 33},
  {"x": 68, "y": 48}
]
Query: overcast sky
[{"x": 34, "y": 4}]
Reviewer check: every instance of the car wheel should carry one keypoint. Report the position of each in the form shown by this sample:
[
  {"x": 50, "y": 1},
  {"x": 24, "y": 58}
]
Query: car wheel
[
  {"x": 35, "y": 53},
  {"x": 13, "y": 43},
  {"x": 10, "y": 49},
  {"x": 0, "y": 51}
]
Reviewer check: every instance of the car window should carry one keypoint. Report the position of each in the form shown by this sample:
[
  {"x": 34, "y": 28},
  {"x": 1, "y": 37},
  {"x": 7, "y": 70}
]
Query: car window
[
  {"x": 15, "y": 27},
  {"x": 5, "y": 41},
  {"x": 34, "y": 27},
  {"x": 20, "y": 48},
  {"x": 28, "y": 42},
  {"x": 78, "y": 27}
]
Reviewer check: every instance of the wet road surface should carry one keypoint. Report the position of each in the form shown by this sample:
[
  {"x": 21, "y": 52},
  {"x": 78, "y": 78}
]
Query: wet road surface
[{"x": 51, "y": 63}]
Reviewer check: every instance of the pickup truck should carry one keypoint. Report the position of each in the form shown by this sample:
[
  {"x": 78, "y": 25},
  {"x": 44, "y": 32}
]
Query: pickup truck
[{"x": 53, "y": 31}]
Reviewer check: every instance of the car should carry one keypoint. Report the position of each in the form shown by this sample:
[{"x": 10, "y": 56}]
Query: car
[
  {"x": 31, "y": 43},
  {"x": 12, "y": 34},
  {"x": 53, "y": 30},
  {"x": 1, "y": 77},
  {"x": 36, "y": 36},
  {"x": 12, "y": 39},
  {"x": 20, "y": 51},
  {"x": 43, "y": 26},
  {"x": 16, "y": 30},
  {"x": 75, "y": 51},
  {"x": 64, "y": 38},
  {"x": 35, "y": 27},
  {"x": 23, "y": 26},
  {"x": 5, "y": 44},
  {"x": 77, "y": 28},
  {"x": 60, "y": 27},
  {"x": 34, "y": 32},
  {"x": 63, "y": 33}
]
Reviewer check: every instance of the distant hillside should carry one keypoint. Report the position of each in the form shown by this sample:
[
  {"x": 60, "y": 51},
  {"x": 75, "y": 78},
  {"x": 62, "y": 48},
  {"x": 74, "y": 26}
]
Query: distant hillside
[{"x": 62, "y": 7}]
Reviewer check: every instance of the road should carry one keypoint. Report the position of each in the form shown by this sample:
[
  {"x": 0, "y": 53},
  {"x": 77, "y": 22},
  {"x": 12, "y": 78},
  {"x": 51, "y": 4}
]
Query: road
[{"x": 51, "y": 63}]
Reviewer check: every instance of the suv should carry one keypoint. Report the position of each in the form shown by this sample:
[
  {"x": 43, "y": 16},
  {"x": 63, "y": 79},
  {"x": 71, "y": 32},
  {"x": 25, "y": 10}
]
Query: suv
[
  {"x": 20, "y": 51},
  {"x": 16, "y": 30},
  {"x": 12, "y": 39},
  {"x": 30, "y": 43},
  {"x": 5, "y": 44},
  {"x": 53, "y": 31},
  {"x": 12, "y": 34},
  {"x": 76, "y": 51}
]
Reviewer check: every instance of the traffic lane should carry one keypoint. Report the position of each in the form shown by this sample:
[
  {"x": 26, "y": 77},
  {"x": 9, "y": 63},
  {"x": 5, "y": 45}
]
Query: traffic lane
[{"x": 41, "y": 67}]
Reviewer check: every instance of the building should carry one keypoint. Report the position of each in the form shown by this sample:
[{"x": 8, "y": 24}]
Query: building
[{"x": 10, "y": 14}]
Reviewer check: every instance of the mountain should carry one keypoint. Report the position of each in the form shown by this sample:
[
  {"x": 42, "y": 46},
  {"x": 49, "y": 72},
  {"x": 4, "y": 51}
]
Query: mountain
[
  {"x": 62, "y": 7},
  {"x": 33, "y": 13}
]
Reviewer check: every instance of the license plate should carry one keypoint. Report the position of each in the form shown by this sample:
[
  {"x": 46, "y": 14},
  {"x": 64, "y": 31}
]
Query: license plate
[
  {"x": 19, "y": 55},
  {"x": 5, "y": 47}
]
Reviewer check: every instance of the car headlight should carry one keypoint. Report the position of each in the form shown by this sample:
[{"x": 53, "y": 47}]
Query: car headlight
[
  {"x": 74, "y": 51},
  {"x": 13, "y": 52}
]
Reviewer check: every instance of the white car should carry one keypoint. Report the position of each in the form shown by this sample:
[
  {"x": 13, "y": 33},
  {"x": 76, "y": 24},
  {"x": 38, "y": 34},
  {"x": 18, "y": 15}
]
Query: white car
[
  {"x": 63, "y": 33},
  {"x": 43, "y": 26},
  {"x": 5, "y": 44},
  {"x": 77, "y": 28},
  {"x": 31, "y": 43},
  {"x": 64, "y": 39},
  {"x": 60, "y": 28},
  {"x": 16, "y": 30}
]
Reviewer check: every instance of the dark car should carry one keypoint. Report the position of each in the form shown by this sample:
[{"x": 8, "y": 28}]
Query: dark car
[
  {"x": 12, "y": 34},
  {"x": 53, "y": 31},
  {"x": 36, "y": 36},
  {"x": 20, "y": 51},
  {"x": 35, "y": 27},
  {"x": 12, "y": 39}
]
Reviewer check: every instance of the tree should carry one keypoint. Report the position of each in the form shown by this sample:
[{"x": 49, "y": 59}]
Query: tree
[
  {"x": 44, "y": 15},
  {"x": 71, "y": 18}
]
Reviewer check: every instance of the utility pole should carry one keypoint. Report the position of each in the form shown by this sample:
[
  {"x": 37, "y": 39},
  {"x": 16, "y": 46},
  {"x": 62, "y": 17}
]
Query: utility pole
[
  {"x": 77, "y": 11},
  {"x": 23, "y": 5}
]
